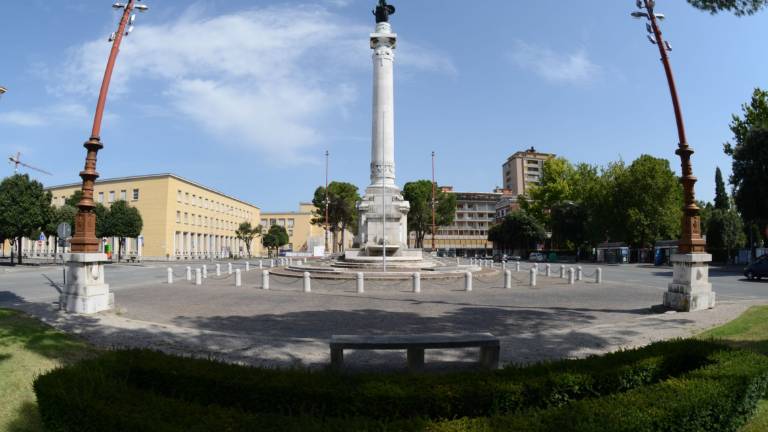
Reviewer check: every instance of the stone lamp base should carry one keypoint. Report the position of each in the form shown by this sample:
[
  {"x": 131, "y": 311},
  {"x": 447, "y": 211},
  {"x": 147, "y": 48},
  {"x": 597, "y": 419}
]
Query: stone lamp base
[
  {"x": 85, "y": 291},
  {"x": 690, "y": 289}
]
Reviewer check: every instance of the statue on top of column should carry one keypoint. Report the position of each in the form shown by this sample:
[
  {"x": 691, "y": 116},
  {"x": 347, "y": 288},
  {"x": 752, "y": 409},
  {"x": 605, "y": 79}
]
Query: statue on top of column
[{"x": 383, "y": 11}]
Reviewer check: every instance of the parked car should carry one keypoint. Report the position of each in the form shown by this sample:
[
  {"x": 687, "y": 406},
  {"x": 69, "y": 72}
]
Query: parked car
[
  {"x": 758, "y": 269},
  {"x": 537, "y": 257}
]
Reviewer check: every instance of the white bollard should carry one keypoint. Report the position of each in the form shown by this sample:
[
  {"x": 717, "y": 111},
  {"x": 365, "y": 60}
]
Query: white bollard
[
  {"x": 205, "y": 271},
  {"x": 549, "y": 270},
  {"x": 305, "y": 261},
  {"x": 189, "y": 273},
  {"x": 599, "y": 276},
  {"x": 468, "y": 281},
  {"x": 504, "y": 266},
  {"x": 579, "y": 273},
  {"x": 533, "y": 277},
  {"x": 261, "y": 264},
  {"x": 265, "y": 280},
  {"x": 517, "y": 266},
  {"x": 271, "y": 263},
  {"x": 229, "y": 268},
  {"x": 238, "y": 280},
  {"x": 508, "y": 279},
  {"x": 417, "y": 282},
  {"x": 360, "y": 283},
  {"x": 562, "y": 271},
  {"x": 170, "y": 276},
  {"x": 571, "y": 276},
  {"x": 198, "y": 277},
  {"x": 307, "y": 283},
  {"x": 247, "y": 266},
  {"x": 218, "y": 269},
  {"x": 458, "y": 261}
]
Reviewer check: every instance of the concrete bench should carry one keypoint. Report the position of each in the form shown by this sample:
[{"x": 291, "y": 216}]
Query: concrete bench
[{"x": 415, "y": 345}]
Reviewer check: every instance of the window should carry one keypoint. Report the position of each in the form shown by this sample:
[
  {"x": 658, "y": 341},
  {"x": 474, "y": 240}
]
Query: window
[
  {"x": 290, "y": 223},
  {"x": 194, "y": 200},
  {"x": 264, "y": 222},
  {"x": 178, "y": 217},
  {"x": 186, "y": 217},
  {"x": 272, "y": 222},
  {"x": 123, "y": 195},
  {"x": 199, "y": 220},
  {"x": 135, "y": 194},
  {"x": 111, "y": 196},
  {"x": 186, "y": 197}
]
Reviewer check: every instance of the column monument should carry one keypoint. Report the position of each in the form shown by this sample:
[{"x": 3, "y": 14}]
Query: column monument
[{"x": 383, "y": 234}]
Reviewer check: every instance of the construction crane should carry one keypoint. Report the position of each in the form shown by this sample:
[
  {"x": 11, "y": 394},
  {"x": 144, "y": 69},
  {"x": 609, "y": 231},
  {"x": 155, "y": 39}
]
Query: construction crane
[{"x": 16, "y": 161}]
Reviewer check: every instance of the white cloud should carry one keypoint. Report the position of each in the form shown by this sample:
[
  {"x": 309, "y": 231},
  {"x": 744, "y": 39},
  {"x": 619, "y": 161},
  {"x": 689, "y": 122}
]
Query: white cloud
[
  {"x": 45, "y": 116},
  {"x": 262, "y": 78},
  {"x": 556, "y": 67}
]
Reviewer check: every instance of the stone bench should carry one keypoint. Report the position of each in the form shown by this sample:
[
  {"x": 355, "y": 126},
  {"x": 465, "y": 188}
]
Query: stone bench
[{"x": 415, "y": 345}]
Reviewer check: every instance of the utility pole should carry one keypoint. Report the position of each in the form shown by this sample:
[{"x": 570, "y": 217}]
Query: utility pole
[
  {"x": 434, "y": 186},
  {"x": 327, "y": 225}
]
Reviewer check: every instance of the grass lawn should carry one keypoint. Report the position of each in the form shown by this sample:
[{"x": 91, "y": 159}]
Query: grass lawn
[
  {"x": 749, "y": 331},
  {"x": 27, "y": 349}
]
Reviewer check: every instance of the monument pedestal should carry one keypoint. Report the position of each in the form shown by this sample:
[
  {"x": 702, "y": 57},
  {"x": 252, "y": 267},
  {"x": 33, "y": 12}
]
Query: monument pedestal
[
  {"x": 85, "y": 291},
  {"x": 690, "y": 289},
  {"x": 383, "y": 221}
]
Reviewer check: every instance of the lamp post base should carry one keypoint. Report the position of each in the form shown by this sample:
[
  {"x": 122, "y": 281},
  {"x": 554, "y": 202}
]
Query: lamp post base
[
  {"x": 85, "y": 291},
  {"x": 690, "y": 289}
]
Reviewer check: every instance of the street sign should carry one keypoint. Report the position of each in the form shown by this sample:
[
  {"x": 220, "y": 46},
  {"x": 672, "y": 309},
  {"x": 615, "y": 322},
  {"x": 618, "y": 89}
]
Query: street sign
[
  {"x": 42, "y": 237},
  {"x": 64, "y": 230}
]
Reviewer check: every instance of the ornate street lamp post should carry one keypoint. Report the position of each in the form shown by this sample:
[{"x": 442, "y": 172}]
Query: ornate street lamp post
[
  {"x": 690, "y": 289},
  {"x": 85, "y": 291}
]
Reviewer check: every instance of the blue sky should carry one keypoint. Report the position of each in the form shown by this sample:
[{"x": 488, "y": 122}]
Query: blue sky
[{"x": 245, "y": 96}]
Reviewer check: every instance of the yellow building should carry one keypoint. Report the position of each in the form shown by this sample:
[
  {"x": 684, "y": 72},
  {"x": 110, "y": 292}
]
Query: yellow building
[
  {"x": 182, "y": 219},
  {"x": 303, "y": 236}
]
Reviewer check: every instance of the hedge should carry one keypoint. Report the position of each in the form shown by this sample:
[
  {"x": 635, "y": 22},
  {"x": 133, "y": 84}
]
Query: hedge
[{"x": 639, "y": 389}]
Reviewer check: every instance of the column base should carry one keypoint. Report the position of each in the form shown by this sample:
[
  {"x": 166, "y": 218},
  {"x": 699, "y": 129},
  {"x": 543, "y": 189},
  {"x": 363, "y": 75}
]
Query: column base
[
  {"x": 85, "y": 291},
  {"x": 690, "y": 289}
]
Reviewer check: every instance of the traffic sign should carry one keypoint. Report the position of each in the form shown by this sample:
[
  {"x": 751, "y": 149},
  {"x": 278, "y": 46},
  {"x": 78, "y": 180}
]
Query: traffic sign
[
  {"x": 42, "y": 237},
  {"x": 64, "y": 230}
]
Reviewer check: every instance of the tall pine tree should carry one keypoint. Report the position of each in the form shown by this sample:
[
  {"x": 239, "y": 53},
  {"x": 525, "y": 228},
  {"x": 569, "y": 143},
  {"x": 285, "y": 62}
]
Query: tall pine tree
[{"x": 722, "y": 202}]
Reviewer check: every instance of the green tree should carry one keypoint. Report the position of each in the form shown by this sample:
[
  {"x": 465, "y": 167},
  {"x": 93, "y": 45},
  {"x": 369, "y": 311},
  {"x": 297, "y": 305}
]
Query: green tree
[
  {"x": 648, "y": 200},
  {"x": 246, "y": 233},
  {"x": 722, "y": 200},
  {"x": 518, "y": 231},
  {"x": 342, "y": 210},
  {"x": 74, "y": 199},
  {"x": 419, "y": 195},
  {"x": 63, "y": 214},
  {"x": 25, "y": 208},
  {"x": 103, "y": 221},
  {"x": 738, "y": 7},
  {"x": 725, "y": 231},
  {"x": 124, "y": 222},
  {"x": 555, "y": 186},
  {"x": 750, "y": 162},
  {"x": 275, "y": 238}
]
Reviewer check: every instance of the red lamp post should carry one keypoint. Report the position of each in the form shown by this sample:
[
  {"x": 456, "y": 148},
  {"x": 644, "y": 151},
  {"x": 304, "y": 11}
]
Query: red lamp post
[
  {"x": 84, "y": 240},
  {"x": 691, "y": 241}
]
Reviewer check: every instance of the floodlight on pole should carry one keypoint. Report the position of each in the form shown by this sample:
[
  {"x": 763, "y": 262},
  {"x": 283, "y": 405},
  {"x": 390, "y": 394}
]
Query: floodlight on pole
[
  {"x": 691, "y": 240},
  {"x": 84, "y": 240}
]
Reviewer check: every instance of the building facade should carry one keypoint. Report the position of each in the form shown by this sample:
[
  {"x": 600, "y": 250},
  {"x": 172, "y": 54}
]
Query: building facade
[
  {"x": 304, "y": 237},
  {"x": 182, "y": 219},
  {"x": 468, "y": 235},
  {"x": 523, "y": 169}
]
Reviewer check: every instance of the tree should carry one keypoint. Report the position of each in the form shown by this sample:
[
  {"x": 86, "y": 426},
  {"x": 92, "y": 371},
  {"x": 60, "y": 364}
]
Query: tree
[
  {"x": 518, "y": 231},
  {"x": 725, "y": 231},
  {"x": 63, "y": 214},
  {"x": 738, "y": 7},
  {"x": 275, "y": 238},
  {"x": 722, "y": 200},
  {"x": 419, "y": 195},
  {"x": 555, "y": 186},
  {"x": 750, "y": 161},
  {"x": 648, "y": 199},
  {"x": 342, "y": 210},
  {"x": 124, "y": 222},
  {"x": 246, "y": 233},
  {"x": 74, "y": 199},
  {"x": 25, "y": 207}
]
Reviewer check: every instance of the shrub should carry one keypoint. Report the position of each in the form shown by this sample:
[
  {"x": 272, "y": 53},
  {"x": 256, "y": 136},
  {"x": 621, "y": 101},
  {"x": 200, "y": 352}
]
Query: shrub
[{"x": 705, "y": 384}]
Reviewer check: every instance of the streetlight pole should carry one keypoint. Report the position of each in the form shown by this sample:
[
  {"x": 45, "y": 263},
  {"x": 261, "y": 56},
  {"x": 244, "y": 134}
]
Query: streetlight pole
[
  {"x": 690, "y": 239},
  {"x": 433, "y": 201},
  {"x": 690, "y": 289},
  {"x": 327, "y": 225},
  {"x": 84, "y": 240}
]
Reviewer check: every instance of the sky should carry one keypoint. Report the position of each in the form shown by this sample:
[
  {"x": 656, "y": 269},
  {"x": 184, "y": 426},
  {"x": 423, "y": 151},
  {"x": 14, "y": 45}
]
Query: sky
[{"x": 245, "y": 96}]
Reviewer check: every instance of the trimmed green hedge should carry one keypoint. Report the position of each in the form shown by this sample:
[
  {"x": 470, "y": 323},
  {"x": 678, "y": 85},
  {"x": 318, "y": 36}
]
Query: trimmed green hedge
[{"x": 695, "y": 383}]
